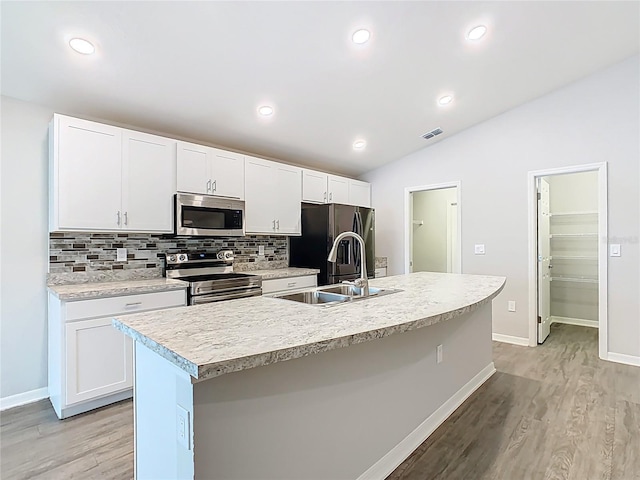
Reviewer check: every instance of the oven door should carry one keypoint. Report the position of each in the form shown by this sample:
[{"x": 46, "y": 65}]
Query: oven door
[
  {"x": 208, "y": 216},
  {"x": 228, "y": 295}
]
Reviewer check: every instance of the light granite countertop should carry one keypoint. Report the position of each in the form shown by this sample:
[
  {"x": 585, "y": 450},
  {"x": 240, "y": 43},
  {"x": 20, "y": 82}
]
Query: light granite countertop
[
  {"x": 284, "y": 272},
  {"x": 85, "y": 291},
  {"x": 213, "y": 339}
]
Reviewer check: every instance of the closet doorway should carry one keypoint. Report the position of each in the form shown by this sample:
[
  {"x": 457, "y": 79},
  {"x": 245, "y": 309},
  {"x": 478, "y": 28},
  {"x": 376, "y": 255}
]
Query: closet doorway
[
  {"x": 569, "y": 256},
  {"x": 432, "y": 228}
]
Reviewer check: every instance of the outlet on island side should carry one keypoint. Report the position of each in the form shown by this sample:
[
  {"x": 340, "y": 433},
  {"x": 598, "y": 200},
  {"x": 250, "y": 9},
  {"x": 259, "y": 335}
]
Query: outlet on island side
[
  {"x": 511, "y": 305},
  {"x": 439, "y": 354},
  {"x": 261, "y": 250},
  {"x": 182, "y": 427}
]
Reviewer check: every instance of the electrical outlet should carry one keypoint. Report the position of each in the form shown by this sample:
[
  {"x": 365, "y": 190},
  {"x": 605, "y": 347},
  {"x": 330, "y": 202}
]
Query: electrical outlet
[
  {"x": 614, "y": 250},
  {"x": 261, "y": 250},
  {"x": 182, "y": 427},
  {"x": 511, "y": 305},
  {"x": 479, "y": 249},
  {"x": 439, "y": 354},
  {"x": 121, "y": 255}
]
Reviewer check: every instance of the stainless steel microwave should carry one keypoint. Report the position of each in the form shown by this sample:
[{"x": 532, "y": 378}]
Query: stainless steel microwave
[{"x": 204, "y": 215}]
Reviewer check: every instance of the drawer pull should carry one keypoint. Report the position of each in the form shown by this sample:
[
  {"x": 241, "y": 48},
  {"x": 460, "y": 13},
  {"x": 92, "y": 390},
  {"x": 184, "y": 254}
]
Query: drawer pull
[
  {"x": 132, "y": 304},
  {"x": 292, "y": 284}
]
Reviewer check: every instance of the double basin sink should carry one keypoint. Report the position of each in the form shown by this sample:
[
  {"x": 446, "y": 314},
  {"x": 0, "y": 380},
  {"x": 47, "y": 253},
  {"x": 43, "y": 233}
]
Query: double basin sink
[{"x": 334, "y": 294}]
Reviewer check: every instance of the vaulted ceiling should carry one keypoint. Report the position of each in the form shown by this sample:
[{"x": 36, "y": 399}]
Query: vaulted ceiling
[{"x": 201, "y": 69}]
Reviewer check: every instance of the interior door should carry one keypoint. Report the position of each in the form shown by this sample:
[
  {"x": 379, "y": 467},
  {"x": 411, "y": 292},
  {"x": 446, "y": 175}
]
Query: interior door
[{"x": 544, "y": 262}]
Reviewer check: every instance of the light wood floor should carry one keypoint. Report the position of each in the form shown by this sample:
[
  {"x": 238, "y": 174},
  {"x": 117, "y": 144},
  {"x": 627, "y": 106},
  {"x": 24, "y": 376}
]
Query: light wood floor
[{"x": 552, "y": 412}]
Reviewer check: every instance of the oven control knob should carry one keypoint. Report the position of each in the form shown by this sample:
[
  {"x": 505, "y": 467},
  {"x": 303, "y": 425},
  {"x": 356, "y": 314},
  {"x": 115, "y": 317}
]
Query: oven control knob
[
  {"x": 172, "y": 258},
  {"x": 228, "y": 255},
  {"x": 182, "y": 258}
]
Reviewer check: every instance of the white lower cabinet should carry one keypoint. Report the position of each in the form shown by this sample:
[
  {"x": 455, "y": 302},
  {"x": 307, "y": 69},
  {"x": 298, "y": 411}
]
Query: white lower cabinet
[
  {"x": 275, "y": 285},
  {"x": 381, "y": 272},
  {"x": 99, "y": 360},
  {"x": 90, "y": 361}
]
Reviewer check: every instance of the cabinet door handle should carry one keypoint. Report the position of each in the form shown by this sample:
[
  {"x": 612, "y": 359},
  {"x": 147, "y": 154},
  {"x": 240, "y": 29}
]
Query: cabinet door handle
[
  {"x": 274, "y": 224},
  {"x": 325, "y": 196},
  {"x": 209, "y": 186},
  {"x": 118, "y": 218},
  {"x": 278, "y": 222},
  {"x": 214, "y": 186},
  {"x": 126, "y": 218},
  {"x": 330, "y": 196}
]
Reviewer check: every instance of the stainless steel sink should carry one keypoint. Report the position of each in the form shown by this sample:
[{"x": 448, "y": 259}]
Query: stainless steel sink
[
  {"x": 334, "y": 295},
  {"x": 350, "y": 290},
  {"x": 315, "y": 297}
]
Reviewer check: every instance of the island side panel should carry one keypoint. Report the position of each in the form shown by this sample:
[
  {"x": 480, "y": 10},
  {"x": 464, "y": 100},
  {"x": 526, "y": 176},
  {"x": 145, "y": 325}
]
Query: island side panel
[
  {"x": 337, "y": 414},
  {"x": 160, "y": 387}
]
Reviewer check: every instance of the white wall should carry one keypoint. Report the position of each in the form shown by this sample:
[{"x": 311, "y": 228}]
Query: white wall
[
  {"x": 24, "y": 247},
  {"x": 430, "y": 239},
  {"x": 593, "y": 120}
]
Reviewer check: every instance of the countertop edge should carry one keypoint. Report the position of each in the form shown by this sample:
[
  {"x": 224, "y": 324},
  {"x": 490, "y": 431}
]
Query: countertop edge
[
  {"x": 177, "y": 360},
  {"x": 105, "y": 292},
  {"x": 212, "y": 370}
]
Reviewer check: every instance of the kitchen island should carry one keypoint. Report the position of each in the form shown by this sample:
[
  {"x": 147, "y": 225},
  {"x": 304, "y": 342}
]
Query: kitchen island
[{"x": 263, "y": 388}]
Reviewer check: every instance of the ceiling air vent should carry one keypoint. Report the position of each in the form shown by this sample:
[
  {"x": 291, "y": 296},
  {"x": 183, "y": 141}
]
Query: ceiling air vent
[{"x": 432, "y": 133}]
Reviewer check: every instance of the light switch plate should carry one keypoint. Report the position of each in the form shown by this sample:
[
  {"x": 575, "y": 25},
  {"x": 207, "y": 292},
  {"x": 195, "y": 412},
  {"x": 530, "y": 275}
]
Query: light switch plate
[
  {"x": 182, "y": 427},
  {"x": 614, "y": 250},
  {"x": 121, "y": 255},
  {"x": 479, "y": 249}
]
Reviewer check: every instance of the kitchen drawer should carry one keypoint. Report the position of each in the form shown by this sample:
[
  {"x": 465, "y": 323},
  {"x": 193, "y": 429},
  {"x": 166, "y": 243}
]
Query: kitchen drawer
[
  {"x": 100, "y": 307},
  {"x": 289, "y": 283}
]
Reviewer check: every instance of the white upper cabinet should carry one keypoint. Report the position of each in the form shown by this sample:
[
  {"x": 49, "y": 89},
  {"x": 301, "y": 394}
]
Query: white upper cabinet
[
  {"x": 273, "y": 193},
  {"x": 289, "y": 190},
  {"x": 193, "y": 167},
  {"x": 148, "y": 182},
  {"x": 106, "y": 178},
  {"x": 314, "y": 186},
  {"x": 319, "y": 187},
  {"x": 227, "y": 174},
  {"x": 338, "y": 189},
  {"x": 359, "y": 193},
  {"x": 85, "y": 175},
  {"x": 209, "y": 171}
]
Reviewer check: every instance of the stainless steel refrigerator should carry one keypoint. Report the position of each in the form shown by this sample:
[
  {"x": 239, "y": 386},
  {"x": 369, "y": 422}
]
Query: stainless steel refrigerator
[{"x": 320, "y": 225}]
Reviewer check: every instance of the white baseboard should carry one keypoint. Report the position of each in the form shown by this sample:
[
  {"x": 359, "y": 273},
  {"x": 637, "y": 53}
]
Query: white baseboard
[
  {"x": 23, "y": 398},
  {"x": 498, "y": 337},
  {"x": 622, "y": 358},
  {"x": 581, "y": 322},
  {"x": 398, "y": 454}
]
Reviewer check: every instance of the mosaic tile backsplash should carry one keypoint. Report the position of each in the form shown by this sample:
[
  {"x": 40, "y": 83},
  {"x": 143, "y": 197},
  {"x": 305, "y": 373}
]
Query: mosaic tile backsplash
[{"x": 95, "y": 253}]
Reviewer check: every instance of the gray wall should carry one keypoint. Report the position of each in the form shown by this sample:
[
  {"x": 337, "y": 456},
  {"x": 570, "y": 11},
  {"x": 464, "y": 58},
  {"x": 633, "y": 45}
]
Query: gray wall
[
  {"x": 24, "y": 244},
  {"x": 430, "y": 238},
  {"x": 592, "y": 120}
]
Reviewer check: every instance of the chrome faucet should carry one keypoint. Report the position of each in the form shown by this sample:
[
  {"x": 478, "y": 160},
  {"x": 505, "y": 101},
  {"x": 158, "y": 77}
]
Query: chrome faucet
[{"x": 363, "y": 281}]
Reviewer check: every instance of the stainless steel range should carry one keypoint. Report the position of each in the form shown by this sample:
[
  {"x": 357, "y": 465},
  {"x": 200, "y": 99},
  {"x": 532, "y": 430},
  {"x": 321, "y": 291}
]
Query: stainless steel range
[{"x": 211, "y": 277}]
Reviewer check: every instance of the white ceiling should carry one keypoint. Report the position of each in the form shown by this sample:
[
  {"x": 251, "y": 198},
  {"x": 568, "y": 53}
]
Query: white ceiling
[{"x": 201, "y": 69}]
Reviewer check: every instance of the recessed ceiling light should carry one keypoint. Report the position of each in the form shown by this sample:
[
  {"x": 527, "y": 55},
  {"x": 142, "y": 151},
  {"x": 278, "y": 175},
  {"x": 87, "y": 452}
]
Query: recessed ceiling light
[
  {"x": 82, "y": 46},
  {"x": 359, "y": 144},
  {"x": 361, "y": 36},
  {"x": 445, "y": 100},
  {"x": 265, "y": 110},
  {"x": 476, "y": 33}
]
